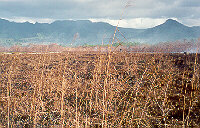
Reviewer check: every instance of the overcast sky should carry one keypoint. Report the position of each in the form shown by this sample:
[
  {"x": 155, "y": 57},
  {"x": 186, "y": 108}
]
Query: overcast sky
[{"x": 137, "y": 13}]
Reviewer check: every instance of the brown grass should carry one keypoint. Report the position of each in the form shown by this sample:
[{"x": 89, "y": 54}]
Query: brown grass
[{"x": 94, "y": 89}]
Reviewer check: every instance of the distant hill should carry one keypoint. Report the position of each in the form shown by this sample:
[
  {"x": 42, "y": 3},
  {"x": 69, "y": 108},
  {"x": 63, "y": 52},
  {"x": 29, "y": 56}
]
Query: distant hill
[
  {"x": 171, "y": 30},
  {"x": 83, "y": 32}
]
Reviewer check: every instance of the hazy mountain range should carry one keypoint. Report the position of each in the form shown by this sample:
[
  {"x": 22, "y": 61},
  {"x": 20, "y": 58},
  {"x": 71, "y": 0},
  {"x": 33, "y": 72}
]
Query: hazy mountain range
[{"x": 83, "y": 32}]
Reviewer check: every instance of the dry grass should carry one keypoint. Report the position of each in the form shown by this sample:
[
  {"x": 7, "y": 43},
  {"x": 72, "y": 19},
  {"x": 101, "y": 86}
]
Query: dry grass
[{"x": 92, "y": 89}]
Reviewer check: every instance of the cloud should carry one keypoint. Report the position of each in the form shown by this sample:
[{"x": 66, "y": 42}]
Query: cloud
[
  {"x": 189, "y": 3},
  {"x": 139, "y": 23},
  {"x": 60, "y": 9},
  {"x": 30, "y": 20},
  {"x": 191, "y": 22},
  {"x": 187, "y": 10},
  {"x": 168, "y": 8}
]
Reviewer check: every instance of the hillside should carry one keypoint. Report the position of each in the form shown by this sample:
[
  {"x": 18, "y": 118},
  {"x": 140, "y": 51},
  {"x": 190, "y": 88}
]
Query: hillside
[
  {"x": 87, "y": 32},
  {"x": 171, "y": 30}
]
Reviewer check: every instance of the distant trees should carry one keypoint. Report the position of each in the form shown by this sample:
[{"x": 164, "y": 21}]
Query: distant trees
[{"x": 127, "y": 44}]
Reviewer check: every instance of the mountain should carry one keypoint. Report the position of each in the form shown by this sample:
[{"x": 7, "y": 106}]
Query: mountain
[
  {"x": 171, "y": 30},
  {"x": 82, "y": 32}
]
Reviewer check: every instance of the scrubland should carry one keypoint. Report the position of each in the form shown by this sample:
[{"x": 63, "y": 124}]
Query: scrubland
[{"x": 95, "y": 89}]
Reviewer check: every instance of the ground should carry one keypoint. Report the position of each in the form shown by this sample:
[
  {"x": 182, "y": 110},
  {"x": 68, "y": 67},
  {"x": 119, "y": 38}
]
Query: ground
[{"x": 94, "y": 89}]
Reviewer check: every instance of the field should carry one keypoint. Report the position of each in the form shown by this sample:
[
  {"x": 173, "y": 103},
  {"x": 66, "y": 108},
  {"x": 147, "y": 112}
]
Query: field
[{"x": 94, "y": 89}]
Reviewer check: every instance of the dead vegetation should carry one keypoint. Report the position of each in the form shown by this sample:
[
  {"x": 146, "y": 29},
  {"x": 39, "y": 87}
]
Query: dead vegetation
[{"x": 94, "y": 89}]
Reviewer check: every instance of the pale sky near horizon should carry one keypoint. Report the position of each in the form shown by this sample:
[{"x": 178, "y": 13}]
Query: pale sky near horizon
[{"x": 133, "y": 13}]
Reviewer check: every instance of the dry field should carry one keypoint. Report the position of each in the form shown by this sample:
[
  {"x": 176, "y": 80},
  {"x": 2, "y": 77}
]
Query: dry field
[{"x": 91, "y": 89}]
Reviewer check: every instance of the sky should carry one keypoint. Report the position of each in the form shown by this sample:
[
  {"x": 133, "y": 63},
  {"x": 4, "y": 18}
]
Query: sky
[{"x": 128, "y": 13}]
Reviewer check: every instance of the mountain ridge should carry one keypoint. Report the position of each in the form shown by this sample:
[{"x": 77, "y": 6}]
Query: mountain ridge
[{"x": 80, "y": 32}]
